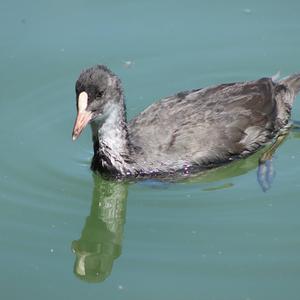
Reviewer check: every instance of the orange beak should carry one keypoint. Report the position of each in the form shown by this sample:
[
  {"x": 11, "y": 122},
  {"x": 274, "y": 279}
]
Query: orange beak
[{"x": 82, "y": 119}]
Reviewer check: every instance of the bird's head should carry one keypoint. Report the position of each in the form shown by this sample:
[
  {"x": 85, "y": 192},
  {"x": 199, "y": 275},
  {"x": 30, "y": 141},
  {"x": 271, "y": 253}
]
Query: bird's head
[{"x": 97, "y": 89}]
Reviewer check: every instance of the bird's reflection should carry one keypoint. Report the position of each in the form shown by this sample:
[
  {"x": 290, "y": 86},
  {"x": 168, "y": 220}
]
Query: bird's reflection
[{"x": 101, "y": 238}]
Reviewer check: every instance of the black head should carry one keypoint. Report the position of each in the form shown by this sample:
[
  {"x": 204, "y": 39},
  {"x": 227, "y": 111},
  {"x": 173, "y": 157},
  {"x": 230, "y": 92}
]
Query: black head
[{"x": 96, "y": 88}]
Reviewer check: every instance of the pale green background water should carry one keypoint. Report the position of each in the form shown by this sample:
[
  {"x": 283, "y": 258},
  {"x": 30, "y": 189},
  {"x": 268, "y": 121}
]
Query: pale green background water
[{"x": 212, "y": 239}]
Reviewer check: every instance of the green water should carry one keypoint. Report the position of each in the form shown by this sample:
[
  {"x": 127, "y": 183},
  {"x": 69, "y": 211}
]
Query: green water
[{"x": 218, "y": 237}]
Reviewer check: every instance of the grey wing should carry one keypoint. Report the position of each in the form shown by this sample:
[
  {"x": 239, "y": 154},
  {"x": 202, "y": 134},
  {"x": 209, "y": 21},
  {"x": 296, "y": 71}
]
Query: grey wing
[{"x": 206, "y": 126}]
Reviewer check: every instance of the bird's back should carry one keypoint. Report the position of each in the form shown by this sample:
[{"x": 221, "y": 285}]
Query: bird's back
[{"x": 208, "y": 126}]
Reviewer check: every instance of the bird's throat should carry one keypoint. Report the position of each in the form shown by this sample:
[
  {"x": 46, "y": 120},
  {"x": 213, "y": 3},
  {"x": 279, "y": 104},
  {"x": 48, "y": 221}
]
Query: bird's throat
[{"x": 111, "y": 140}]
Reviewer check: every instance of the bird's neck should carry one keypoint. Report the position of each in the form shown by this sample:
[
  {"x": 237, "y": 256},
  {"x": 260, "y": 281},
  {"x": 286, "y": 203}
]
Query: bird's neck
[{"x": 111, "y": 144}]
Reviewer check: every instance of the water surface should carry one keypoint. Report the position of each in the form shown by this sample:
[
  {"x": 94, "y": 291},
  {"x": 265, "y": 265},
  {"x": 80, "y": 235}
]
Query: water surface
[{"x": 67, "y": 233}]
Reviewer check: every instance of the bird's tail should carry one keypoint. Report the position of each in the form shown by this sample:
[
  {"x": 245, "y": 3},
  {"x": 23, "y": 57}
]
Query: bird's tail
[{"x": 292, "y": 82}]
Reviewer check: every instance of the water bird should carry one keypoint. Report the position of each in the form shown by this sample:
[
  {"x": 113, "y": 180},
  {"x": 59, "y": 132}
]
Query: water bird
[{"x": 188, "y": 132}]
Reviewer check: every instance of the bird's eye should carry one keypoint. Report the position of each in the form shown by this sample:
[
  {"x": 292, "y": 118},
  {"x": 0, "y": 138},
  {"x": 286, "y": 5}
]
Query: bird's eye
[{"x": 99, "y": 94}]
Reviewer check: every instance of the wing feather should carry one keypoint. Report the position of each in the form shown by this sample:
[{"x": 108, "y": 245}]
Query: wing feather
[{"x": 206, "y": 125}]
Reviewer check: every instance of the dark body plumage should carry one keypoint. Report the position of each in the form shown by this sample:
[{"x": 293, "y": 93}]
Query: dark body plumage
[{"x": 187, "y": 132}]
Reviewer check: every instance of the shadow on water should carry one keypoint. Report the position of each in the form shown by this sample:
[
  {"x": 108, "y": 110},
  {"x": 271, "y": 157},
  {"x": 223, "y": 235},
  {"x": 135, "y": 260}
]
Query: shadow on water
[{"x": 101, "y": 238}]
